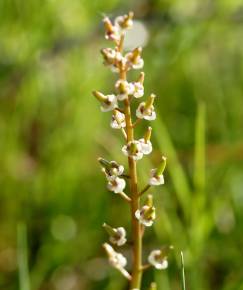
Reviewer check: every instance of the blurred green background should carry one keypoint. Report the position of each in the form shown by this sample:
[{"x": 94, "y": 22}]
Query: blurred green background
[{"x": 52, "y": 131}]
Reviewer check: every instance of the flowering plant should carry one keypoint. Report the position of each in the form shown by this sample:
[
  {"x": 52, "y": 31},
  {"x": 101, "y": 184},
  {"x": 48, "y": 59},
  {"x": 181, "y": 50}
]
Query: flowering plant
[{"x": 120, "y": 106}]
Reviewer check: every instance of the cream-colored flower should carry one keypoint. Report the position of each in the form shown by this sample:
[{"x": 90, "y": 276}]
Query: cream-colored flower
[
  {"x": 134, "y": 59},
  {"x": 156, "y": 179},
  {"x": 117, "y": 260},
  {"x": 133, "y": 149},
  {"x": 116, "y": 169},
  {"x": 116, "y": 184},
  {"x": 138, "y": 90},
  {"x": 145, "y": 113},
  {"x": 117, "y": 235},
  {"x": 146, "y": 146},
  {"x": 111, "y": 168},
  {"x": 110, "y": 104},
  {"x": 111, "y": 31},
  {"x": 119, "y": 238},
  {"x": 118, "y": 120},
  {"x": 156, "y": 175},
  {"x": 146, "y": 215},
  {"x": 158, "y": 260},
  {"x": 145, "y": 110},
  {"x": 113, "y": 59},
  {"x": 124, "y": 89},
  {"x": 125, "y": 21}
]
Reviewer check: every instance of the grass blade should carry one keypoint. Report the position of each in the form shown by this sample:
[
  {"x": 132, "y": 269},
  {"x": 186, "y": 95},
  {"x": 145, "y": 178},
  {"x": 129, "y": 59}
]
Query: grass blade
[
  {"x": 24, "y": 281},
  {"x": 175, "y": 169},
  {"x": 183, "y": 280},
  {"x": 199, "y": 157}
]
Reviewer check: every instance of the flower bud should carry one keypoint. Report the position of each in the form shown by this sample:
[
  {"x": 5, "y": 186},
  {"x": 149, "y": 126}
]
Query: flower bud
[
  {"x": 141, "y": 78},
  {"x": 99, "y": 96},
  {"x": 147, "y": 135},
  {"x": 161, "y": 166},
  {"x": 108, "y": 103},
  {"x": 149, "y": 200},
  {"x": 133, "y": 148},
  {"x": 136, "y": 54},
  {"x": 153, "y": 286},
  {"x": 109, "y": 229},
  {"x": 150, "y": 101},
  {"x": 104, "y": 163}
]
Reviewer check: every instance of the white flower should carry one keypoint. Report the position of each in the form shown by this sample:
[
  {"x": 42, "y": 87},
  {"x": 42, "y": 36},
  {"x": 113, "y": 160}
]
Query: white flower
[
  {"x": 116, "y": 184},
  {"x": 111, "y": 168},
  {"x": 110, "y": 103},
  {"x": 156, "y": 179},
  {"x": 116, "y": 260},
  {"x": 134, "y": 59},
  {"x": 133, "y": 149},
  {"x": 113, "y": 59},
  {"x": 147, "y": 114},
  {"x": 138, "y": 64},
  {"x": 116, "y": 169},
  {"x": 146, "y": 146},
  {"x": 119, "y": 238},
  {"x": 112, "y": 31},
  {"x": 138, "y": 90},
  {"x": 158, "y": 260},
  {"x": 124, "y": 89},
  {"x": 135, "y": 63},
  {"x": 146, "y": 215},
  {"x": 124, "y": 22},
  {"x": 118, "y": 120}
]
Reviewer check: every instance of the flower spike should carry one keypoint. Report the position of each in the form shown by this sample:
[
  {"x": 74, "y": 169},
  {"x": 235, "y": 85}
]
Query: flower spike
[{"x": 122, "y": 115}]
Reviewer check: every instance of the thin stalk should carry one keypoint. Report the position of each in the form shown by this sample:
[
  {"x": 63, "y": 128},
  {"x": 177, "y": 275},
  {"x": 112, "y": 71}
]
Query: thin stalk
[
  {"x": 145, "y": 189},
  {"x": 136, "y": 122},
  {"x": 137, "y": 272},
  {"x": 125, "y": 197},
  {"x": 24, "y": 280},
  {"x": 135, "y": 201},
  {"x": 124, "y": 133},
  {"x": 183, "y": 282}
]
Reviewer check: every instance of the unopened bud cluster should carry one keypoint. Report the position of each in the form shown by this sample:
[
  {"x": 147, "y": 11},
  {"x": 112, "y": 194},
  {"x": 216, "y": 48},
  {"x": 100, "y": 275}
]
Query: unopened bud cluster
[{"x": 118, "y": 103}]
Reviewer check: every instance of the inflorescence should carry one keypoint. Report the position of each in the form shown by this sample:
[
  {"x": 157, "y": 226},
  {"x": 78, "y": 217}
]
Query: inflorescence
[{"x": 119, "y": 105}]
